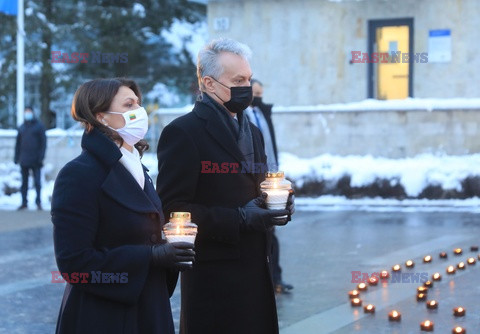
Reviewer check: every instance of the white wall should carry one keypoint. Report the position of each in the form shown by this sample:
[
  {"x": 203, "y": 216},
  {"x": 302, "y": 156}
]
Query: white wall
[{"x": 302, "y": 48}]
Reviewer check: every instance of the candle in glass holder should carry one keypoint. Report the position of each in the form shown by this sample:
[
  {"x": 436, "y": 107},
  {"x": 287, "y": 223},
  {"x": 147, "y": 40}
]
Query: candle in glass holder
[
  {"x": 427, "y": 326},
  {"x": 471, "y": 260},
  {"x": 180, "y": 228},
  {"x": 409, "y": 264},
  {"x": 396, "y": 267},
  {"x": 461, "y": 265},
  {"x": 421, "y": 297},
  {"x": 451, "y": 270},
  {"x": 353, "y": 294},
  {"x": 394, "y": 316},
  {"x": 437, "y": 277},
  {"x": 373, "y": 280},
  {"x": 427, "y": 259},
  {"x": 443, "y": 255},
  {"x": 422, "y": 289},
  {"x": 278, "y": 188},
  {"x": 432, "y": 304},
  {"x": 459, "y": 311},
  {"x": 428, "y": 284},
  {"x": 384, "y": 274},
  {"x": 362, "y": 287},
  {"x": 457, "y": 251},
  {"x": 370, "y": 308},
  {"x": 459, "y": 330},
  {"x": 356, "y": 302}
]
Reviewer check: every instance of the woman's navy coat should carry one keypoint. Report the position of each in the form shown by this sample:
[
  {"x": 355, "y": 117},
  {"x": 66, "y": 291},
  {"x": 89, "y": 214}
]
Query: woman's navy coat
[{"x": 104, "y": 224}]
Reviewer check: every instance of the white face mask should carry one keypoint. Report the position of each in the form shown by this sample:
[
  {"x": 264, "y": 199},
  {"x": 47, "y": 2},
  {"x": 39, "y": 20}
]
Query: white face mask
[
  {"x": 136, "y": 125},
  {"x": 28, "y": 116}
]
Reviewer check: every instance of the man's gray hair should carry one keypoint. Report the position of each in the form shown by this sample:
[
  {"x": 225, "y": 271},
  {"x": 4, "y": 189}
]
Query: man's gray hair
[{"x": 207, "y": 60}]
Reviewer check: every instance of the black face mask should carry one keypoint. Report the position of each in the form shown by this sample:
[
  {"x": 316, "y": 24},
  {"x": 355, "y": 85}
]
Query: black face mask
[
  {"x": 240, "y": 98},
  {"x": 257, "y": 101}
]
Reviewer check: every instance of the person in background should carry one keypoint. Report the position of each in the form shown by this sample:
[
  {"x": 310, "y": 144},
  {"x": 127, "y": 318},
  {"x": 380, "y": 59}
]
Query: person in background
[
  {"x": 29, "y": 153},
  {"x": 260, "y": 114},
  {"x": 107, "y": 222},
  {"x": 229, "y": 290}
]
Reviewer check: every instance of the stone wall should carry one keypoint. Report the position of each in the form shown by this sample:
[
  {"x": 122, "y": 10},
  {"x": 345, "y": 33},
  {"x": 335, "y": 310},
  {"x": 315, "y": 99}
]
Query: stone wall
[{"x": 383, "y": 133}]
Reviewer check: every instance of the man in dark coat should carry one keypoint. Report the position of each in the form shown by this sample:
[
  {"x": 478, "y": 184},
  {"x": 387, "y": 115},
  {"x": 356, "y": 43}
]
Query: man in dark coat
[
  {"x": 29, "y": 153},
  {"x": 209, "y": 164}
]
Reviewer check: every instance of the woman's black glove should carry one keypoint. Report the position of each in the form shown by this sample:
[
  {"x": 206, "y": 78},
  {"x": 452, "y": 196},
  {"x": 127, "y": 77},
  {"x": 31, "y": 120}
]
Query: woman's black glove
[
  {"x": 255, "y": 215},
  {"x": 176, "y": 255}
]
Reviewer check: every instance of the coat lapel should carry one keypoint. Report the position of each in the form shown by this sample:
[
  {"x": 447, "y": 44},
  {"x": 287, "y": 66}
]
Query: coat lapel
[
  {"x": 218, "y": 131},
  {"x": 121, "y": 186},
  {"x": 150, "y": 191}
]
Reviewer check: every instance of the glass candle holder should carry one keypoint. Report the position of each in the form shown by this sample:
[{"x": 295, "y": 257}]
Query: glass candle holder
[
  {"x": 370, "y": 308},
  {"x": 278, "y": 188},
  {"x": 432, "y": 304},
  {"x": 180, "y": 228},
  {"x": 459, "y": 311},
  {"x": 427, "y": 326},
  {"x": 394, "y": 316}
]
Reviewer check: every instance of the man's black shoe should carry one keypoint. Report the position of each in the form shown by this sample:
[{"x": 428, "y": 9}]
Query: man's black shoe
[
  {"x": 39, "y": 207},
  {"x": 22, "y": 207}
]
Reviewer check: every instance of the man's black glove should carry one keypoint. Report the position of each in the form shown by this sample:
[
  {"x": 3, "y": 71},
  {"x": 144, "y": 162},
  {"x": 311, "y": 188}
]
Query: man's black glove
[
  {"x": 255, "y": 215},
  {"x": 176, "y": 255},
  {"x": 291, "y": 204}
]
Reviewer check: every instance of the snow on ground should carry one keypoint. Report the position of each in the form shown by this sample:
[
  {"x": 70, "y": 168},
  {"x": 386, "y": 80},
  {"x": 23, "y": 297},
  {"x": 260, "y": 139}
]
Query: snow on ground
[
  {"x": 412, "y": 173},
  {"x": 374, "y": 105},
  {"x": 335, "y": 203}
]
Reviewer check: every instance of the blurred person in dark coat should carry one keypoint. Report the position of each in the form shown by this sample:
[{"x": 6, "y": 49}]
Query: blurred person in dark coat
[
  {"x": 108, "y": 222},
  {"x": 30, "y": 149},
  {"x": 206, "y": 163},
  {"x": 260, "y": 114}
]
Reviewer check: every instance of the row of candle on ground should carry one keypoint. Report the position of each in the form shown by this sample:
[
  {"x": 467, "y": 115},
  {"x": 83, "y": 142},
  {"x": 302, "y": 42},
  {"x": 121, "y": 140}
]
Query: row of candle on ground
[
  {"x": 384, "y": 275},
  {"x": 428, "y": 259},
  {"x": 426, "y": 325},
  {"x": 431, "y": 305}
]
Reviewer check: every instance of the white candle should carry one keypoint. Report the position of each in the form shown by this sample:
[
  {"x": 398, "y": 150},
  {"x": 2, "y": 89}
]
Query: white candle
[
  {"x": 278, "y": 190},
  {"x": 180, "y": 228},
  {"x": 181, "y": 238}
]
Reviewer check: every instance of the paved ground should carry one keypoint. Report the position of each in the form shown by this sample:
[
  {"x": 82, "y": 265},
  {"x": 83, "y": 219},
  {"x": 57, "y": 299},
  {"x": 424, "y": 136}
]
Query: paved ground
[{"x": 319, "y": 251}]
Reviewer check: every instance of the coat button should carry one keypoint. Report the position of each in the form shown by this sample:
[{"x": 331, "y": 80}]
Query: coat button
[{"x": 154, "y": 238}]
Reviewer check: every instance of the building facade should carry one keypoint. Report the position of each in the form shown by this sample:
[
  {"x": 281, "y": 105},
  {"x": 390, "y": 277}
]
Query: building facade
[{"x": 309, "y": 52}]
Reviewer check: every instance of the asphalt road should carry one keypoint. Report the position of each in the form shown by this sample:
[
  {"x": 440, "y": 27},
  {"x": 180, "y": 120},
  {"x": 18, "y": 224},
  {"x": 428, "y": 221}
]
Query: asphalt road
[{"x": 319, "y": 252}]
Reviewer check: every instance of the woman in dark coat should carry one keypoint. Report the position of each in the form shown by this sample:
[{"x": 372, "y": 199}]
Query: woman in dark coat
[{"x": 107, "y": 222}]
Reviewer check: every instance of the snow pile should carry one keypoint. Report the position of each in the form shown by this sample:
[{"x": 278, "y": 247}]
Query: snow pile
[
  {"x": 11, "y": 181},
  {"x": 376, "y": 105},
  {"x": 356, "y": 181},
  {"x": 423, "y": 176}
]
